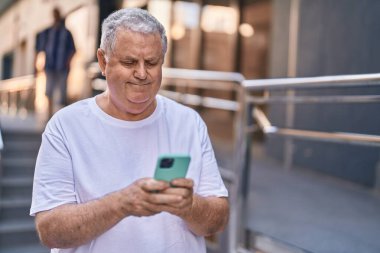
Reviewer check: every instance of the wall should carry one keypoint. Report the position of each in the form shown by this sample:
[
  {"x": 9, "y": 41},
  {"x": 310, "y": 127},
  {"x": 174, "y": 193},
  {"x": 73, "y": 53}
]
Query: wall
[
  {"x": 335, "y": 37},
  {"x": 340, "y": 37},
  {"x": 278, "y": 60}
]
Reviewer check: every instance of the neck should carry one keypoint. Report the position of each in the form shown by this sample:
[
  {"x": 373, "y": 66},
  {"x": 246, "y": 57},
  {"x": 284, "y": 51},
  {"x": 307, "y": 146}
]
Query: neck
[{"x": 105, "y": 102}]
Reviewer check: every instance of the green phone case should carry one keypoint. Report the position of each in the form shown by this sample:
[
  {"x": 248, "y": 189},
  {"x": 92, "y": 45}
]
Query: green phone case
[{"x": 171, "y": 166}]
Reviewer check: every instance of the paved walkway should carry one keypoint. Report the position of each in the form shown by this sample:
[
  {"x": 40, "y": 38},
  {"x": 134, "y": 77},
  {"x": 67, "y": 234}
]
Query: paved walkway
[{"x": 311, "y": 211}]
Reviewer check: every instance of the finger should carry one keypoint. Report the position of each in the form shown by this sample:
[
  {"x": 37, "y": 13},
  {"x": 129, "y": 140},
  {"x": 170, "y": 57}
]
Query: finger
[
  {"x": 164, "y": 199},
  {"x": 151, "y": 208},
  {"x": 152, "y": 185},
  {"x": 134, "y": 201},
  {"x": 184, "y": 192},
  {"x": 182, "y": 182}
]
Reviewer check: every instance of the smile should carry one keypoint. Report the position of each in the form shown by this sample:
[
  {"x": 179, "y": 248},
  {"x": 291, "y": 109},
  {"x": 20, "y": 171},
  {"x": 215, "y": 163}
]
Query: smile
[
  {"x": 137, "y": 101},
  {"x": 138, "y": 84}
]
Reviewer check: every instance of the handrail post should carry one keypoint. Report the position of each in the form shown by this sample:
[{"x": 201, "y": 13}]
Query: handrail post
[
  {"x": 245, "y": 174},
  {"x": 237, "y": 215}
]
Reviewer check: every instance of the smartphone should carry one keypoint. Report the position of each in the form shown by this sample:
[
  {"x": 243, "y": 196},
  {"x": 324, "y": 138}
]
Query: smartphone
[{"x": 171, "y": 166}]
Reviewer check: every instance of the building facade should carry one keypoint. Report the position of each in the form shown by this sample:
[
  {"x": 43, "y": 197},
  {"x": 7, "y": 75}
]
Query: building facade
[{"x": 258, "y": 38}]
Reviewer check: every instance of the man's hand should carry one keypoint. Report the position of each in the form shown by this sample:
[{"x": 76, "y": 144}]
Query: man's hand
[
  {"x": 71, "y": 225},
  {"x": 148, "y": 196},
  {"x": 203, "y": 215},
  {"x": 183, "y": 189}
]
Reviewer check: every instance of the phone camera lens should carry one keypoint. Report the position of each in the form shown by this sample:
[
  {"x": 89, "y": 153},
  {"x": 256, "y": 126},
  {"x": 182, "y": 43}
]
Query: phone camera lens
[{"x": 166, "y": 162}]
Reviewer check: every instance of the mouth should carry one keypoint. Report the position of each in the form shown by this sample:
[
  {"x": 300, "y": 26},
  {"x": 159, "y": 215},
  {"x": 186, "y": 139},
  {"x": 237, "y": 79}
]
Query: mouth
[
  {"x": 138, "y": 101},
  {"x": 138, "y": 84}
]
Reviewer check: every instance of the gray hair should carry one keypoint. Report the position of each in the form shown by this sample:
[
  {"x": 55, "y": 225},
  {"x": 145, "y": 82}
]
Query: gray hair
[{"x": 132, "y": 19}]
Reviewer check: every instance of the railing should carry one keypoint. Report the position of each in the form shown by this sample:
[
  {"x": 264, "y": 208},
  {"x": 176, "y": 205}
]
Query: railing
[
  {"x": 198, "y": 88},
  {"x": 184, "y": 80},
  {"x": 192, "y": 87},
  {"x": 17, "y": 95},
  {"x": 250, "y": 117},
  {"x": 254, "y": 118},
  {"x": 187, "y": 86}
]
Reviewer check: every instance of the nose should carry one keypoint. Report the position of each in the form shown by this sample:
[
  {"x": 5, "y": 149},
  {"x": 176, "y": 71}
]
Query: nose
[{"x": 140, "y": 72}]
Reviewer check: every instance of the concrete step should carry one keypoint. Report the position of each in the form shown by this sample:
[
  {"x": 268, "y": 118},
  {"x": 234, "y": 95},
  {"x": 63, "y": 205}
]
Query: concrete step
[
  {"x": 14, "y": 203},
  {"x": 17, "y": 233},
  {"x": 21, "y": 149},
  {"x": 17, "y": 229},
  {"x": 18, "y": 161},
  {"x": 18, "y": 166},
  {"x": 14, "y": 209},
  {"x": 16, "y": 187},
  {"x": 12, "y": 226},
  {"x": 19, "y": 144},
  {"x": 16, "y": 181},
  {"x": 32, "y": 248},
  {"x": 9, "y": 136}
]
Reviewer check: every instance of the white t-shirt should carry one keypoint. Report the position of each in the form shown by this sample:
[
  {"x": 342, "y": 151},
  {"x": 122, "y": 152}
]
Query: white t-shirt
[{"x": 86, "y": 153}]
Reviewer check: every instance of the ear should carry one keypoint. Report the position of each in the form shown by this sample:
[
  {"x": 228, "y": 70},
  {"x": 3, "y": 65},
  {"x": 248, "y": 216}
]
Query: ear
[{"x": 101, "y": 60}]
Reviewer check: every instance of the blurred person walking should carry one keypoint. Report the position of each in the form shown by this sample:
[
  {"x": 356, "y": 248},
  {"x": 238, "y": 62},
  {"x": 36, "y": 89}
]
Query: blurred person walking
[{"x": 58, "y": 45}]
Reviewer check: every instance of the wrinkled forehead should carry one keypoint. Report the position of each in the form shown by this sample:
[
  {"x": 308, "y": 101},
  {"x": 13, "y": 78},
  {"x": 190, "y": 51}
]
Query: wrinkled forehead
[
  {"x": 128, "y": 35},
  {"x": 136, "y": 30},
  {"x": 129, "y": 42}
]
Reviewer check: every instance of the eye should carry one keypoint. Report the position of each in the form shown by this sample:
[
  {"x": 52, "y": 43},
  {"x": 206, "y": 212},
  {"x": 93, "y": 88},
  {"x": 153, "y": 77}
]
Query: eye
[
  {"x": 128, "y": 63},
  {"x": 151, "y": 63}
]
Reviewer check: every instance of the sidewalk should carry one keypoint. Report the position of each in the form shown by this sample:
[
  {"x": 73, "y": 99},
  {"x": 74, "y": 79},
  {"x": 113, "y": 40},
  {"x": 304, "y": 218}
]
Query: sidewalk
[{"x": 311, "y": 211}]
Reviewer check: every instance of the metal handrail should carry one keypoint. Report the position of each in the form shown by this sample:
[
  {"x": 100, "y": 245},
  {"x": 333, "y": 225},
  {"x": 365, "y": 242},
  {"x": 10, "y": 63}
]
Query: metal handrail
[
  {"x": 364, "y": 80},
  {"x": 17, "y": 84},
  {"x": 212, "y": 80},
  {"x": 196, "y": 100},
  {"x": 205, "y": 75},
  {"x": 245, "y": 113},
  {"x": 238, "y": 194},
  {"x": 315, "y": 99},
  {"x": 15, "y": 94},
  {"x": 252, "y": 111},
  {"x": 313, "y": 82}
]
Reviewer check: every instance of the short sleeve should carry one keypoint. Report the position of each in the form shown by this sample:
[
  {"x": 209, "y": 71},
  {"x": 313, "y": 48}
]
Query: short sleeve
[
  {"x": 211, "y": 183},
  {"x": 53, "y": 180},
  {"x": 41, "y": 41}
]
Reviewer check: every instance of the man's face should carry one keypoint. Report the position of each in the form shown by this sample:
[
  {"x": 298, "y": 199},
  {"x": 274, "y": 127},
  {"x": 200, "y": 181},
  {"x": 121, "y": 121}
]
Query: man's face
[{"x": 134, "y": 73}]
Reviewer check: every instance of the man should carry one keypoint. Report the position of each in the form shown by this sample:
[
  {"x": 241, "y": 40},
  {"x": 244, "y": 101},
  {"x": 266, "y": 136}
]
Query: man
[
  {"x": 58, "y": 44},
  {"x": 93, "y": 188}
]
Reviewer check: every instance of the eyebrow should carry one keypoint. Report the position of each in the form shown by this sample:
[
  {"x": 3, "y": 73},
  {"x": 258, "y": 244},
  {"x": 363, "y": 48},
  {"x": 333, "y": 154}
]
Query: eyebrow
[
  {"x": 131, "y": 58},
  {"x": 128, "y": 58},
  {"x": 153, "y": 59}
]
